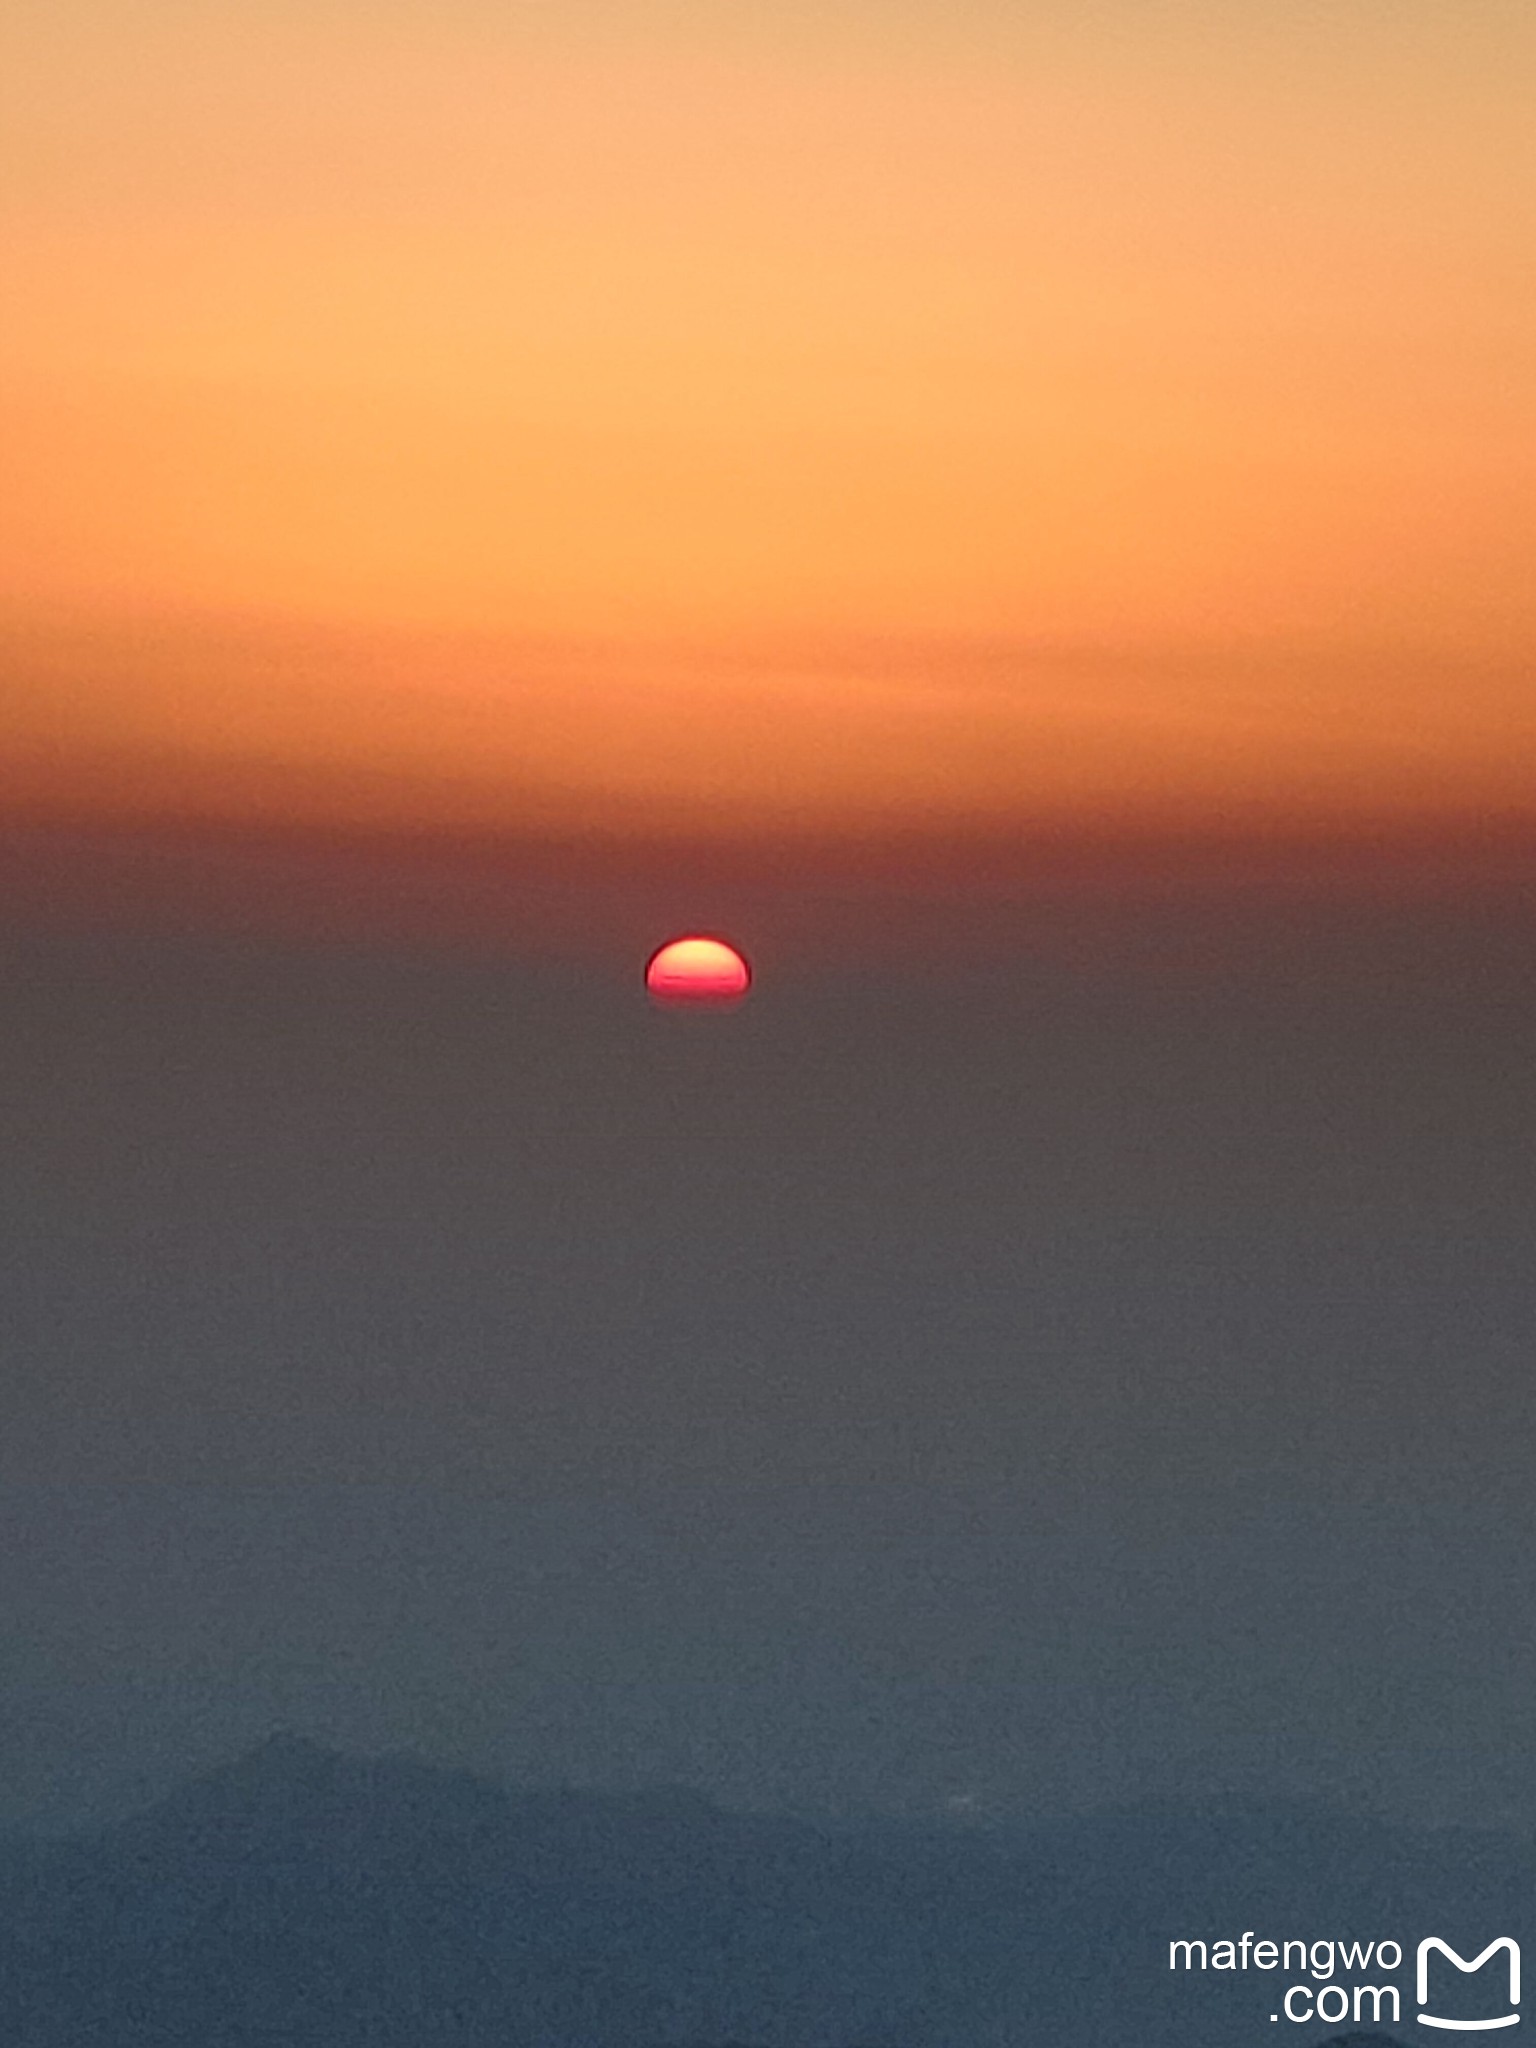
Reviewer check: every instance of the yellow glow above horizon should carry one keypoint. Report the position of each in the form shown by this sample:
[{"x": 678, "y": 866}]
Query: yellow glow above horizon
[{"x": 431, "y": 414}]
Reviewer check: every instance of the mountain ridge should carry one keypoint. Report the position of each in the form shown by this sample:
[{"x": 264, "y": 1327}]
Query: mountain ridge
[{"x": 298, "y": 1897}]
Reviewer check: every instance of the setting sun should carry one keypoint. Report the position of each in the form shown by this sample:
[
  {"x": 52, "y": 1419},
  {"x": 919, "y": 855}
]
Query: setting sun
[{"x": 697, "y": 970}]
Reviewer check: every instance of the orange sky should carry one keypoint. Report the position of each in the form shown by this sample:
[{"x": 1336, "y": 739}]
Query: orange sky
[{"x": 696, "y": 419}]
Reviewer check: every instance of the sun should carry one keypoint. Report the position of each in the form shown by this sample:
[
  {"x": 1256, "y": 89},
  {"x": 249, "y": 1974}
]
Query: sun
[{"x": 696, "y": 969}]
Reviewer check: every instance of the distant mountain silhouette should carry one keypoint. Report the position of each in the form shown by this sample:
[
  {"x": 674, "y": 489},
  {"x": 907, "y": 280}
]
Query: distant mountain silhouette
[
  {"x": 1361, "y": 2041},
  {"x": 297, "y": 1898}
]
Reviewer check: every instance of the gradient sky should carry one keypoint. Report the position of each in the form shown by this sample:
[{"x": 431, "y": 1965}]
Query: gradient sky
[
  {"x": 701, "y": 419},
  {"x": 1051, "y": 1388},
  {"x": 1022, "y": 517}
]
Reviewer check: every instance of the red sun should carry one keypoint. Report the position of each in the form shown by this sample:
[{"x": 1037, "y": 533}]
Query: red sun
[{"x": 697, "y": 970}]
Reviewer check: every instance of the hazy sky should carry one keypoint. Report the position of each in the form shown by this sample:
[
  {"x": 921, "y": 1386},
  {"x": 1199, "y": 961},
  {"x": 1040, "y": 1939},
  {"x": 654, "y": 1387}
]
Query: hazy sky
[
  {"x": 1049, "y": 1385},
  {"x": 1019, "y": 515},
  {"x": 655, "y": 414}
]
